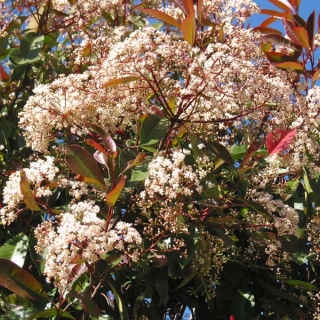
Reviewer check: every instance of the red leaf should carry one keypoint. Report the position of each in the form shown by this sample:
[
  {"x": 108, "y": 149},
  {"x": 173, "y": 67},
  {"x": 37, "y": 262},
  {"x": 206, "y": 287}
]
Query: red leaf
[{"x": 279, "y": 140}]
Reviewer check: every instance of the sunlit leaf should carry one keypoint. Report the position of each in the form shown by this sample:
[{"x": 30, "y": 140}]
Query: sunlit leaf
[
  {"x": 265, "y": 30},
  {"x": 289, "y": 65},
  {"x": 188, "y": 6},
  {"x": 124, "y": 315},
  {"x": 163, "y": 17},
  {"x": 20, "y": 281},
  {"x": 25, "y": 189},
  {"x": 188, "y": 28},
  {"x": 118, "y": 81},
  {"x": 114, "y": 194},
  {"x": 279, "y": 140},
  {"x": 81, "y": 162},
  {"x": 283, "y": 4},
  {"x": 289, "y": 28},
  {"x": 138, "y": 160},
  {"x": 315, "y": 76},
  {"x": 277, "y": 14},
  {"x": 101, "y": 157},
  {"x": 95, "y": 144},
  {"x": 3, "y": 74},
  {"x": 111, "y": 144},
  {"x": 268, "y": 21},
  {"x": 302, "y": 35},
  {"x": 52, "y": 313},
  {"x": 15, "y": 249},
  {"x": 33, "y": 24}
]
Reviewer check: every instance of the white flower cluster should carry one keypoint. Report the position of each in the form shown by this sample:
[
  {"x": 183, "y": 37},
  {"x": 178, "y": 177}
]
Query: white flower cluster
[
  {"x": 79, "y": 232},
  {"x": 37, "y": 173},
  {"x": 171, "y": 177},
  {"x": 285, "y": 218}
]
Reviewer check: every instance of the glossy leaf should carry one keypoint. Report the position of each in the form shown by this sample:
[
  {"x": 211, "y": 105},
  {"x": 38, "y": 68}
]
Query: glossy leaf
[
  {"x": 278, "y": 57},
  {"x": 283, "y": 4},
  {"x": 20, "y": 281},
  {"x": 220, "y": 151},
  {"x": 315, "y": 76},
  {"x": 15, "y": 249},
  {"x": 279, "y": 140},
  {"x": 3, "y": 74},
  {"x": 96, "y": 145},
  {"x": 91, "y": 181},
  {"x": 81, "y": 162},
  {"x": 124, "y": 315},
  {"x": 33, "y": 24},
  {"x": 137, "y": 161},
  {"x": 118, "y": 81},
  {"x": 188, "y": 6},
  {"x": 52, "y": 313},
  {"x": 30, "y": 47},
  {"x": 163, "y": 17},
  {"x": 277, "y": 38},
  {"x": 153, "y": 129},
  {"x": 310, "y": 28},
  {"x": 302, "y": 35},
  {"x": 289, "y": 28},
  {"x": 277, "y": 14},
  {"x": 28, "y": 197},
  {"x": 101, "y": 157},
  {"x": 114, "y": 194},
  {"x": 268, "y": 21},
  {"x": 289, "y": 65},
  {"x": 188, "y": 28},
  {"x": 265, "y": 30},
  {"x": 111, "y": 144}
]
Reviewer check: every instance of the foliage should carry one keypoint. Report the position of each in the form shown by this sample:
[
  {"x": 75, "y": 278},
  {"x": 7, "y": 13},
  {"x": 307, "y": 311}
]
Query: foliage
[{"x": 157, "y": 159}]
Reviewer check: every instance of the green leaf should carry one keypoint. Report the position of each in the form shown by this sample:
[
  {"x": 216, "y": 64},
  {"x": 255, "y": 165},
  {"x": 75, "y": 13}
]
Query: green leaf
[
  {"x": 220, "y": 151},
  {"x": 38, "y": 260},
  {"x": 28, "y": 197},
  {"x": 188, "y": 28},
  {"x": 257, "y": 207},
  {"x": 137, "y": 161},
  {"x": 301, "y": 284},
  {"x": 187, "y": 279},
  {"x": 162, "y": 17},
  {"x": 114, "y": 194},
  {"x": 49, "y": 313},
  {"x": 153, "y": 129},
  {"x": 20, "y": 281},
  {"x": 124, "y": 315},
  {"x": 81, "y": 162},
  {"x": 194, "y": 145},
  {"x": 242, "y": 305},
  {"x": 15, "y": 249},
  {"x": 30, "y": 47}
]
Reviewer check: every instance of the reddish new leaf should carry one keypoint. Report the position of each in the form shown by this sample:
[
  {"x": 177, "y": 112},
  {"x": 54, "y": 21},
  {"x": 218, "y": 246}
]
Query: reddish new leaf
[
  {"x": 266, "y": 30},
  {"x": 316, "y": 75},
  {"x": 188, "y": 6},
  {"x": 302, "y": 35},
  {"x": 3, "y": 74},
  {"x": 268, "y": 21},
  {"x": 283, "y": 4},
  {"x": 279, "y": 140},
  {"x": 95, "y": 144},
  {"x": 289, "y": 28},
  {"x": 122, "y": 80},
  {"x": 114, "y": 194},
  {"x": 310, "y": 28}
]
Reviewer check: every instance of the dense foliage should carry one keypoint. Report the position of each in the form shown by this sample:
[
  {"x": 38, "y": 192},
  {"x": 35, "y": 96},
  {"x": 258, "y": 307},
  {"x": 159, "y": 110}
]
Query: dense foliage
[{"x": 158, "y": 159}]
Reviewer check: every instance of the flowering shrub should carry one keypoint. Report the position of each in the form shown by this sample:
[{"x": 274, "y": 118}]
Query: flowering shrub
[{"x": 158, "y": 158}]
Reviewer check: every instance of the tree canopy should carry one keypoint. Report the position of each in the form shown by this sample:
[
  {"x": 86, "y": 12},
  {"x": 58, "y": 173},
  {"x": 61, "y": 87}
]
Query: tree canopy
[{"x": 159, "y": 160}]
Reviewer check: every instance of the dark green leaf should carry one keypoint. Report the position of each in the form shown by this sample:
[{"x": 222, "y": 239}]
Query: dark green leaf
[
  {"x": 81, "y": 162},
  {"x": 153, "y": 129},
  {"x": 124, "y": 315},
  {"x": 15, "y": 249}
]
